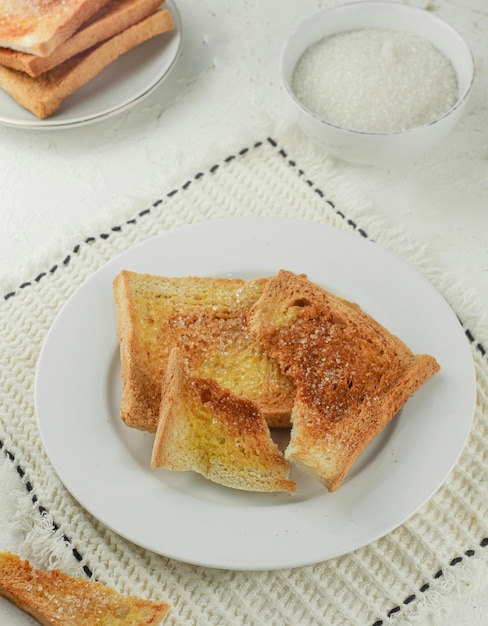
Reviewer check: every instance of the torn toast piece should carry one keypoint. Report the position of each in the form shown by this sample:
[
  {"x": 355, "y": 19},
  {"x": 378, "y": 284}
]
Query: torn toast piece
[
  {"x": 40, "y": 26},
  {"x": 43, "y": 95},
  {"x": 206, "y": 317},
  {"x": 208, "y": 429},
  {"x": 56, "y": 599},
  {"x": 111, "y": 19},
  {"x": 352, "y": 375}
]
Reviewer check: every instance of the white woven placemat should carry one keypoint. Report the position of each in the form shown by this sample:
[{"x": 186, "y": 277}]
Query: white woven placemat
[{"x": 418, "y": 573}]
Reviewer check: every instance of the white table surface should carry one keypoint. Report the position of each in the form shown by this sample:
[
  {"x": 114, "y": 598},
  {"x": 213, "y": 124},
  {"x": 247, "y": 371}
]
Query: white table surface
[{"x": 225, "y": 84}]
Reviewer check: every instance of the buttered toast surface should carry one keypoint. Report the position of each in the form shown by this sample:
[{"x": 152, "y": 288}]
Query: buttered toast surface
[
  {"x": 206, "y": 428},
  {"x": 206, "y": 318}
]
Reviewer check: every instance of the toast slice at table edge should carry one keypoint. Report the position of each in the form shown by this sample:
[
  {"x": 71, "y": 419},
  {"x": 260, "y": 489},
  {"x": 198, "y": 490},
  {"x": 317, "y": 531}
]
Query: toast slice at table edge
[{"x": 56, "y": 599}]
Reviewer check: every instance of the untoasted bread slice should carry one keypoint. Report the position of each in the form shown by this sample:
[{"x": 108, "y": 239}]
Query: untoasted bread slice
[
  {"x": 206, "y": 317},
  {"x": 208, "y": 429},
  {"x": 352, "y": 375},
  {"x": 56, "y": 599},
  {"x": 111, "y": 19},
  {"x": 43, "y": 95},
  {"x": 40, "y": 26}
]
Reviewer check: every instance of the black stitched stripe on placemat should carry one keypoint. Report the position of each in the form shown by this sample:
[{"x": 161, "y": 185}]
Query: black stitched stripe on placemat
[
  {"x": 87, "y": 571},
  {"x": 426, "y": 586},
  {"x": 112, "y": 231},
  {"x": 135, "y": 220},
  {"x": 211, "y": 170},
  {"x": 42, "y": 510},
  {"x": 317, "y": 190}
]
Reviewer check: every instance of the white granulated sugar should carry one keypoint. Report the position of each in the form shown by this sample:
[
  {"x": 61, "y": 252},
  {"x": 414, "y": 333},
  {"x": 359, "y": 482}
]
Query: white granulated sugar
[{"x": 375, "y": 80}]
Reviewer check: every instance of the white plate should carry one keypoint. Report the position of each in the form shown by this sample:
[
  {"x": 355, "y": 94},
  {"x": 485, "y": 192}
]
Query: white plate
[
  {"x": 126, "y": 81},
  {"x": 105, "y": 464}
]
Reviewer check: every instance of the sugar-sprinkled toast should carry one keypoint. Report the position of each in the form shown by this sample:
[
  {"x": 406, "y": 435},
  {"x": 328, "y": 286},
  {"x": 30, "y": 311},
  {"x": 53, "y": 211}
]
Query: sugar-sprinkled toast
[
  {"x": 352, "y": 375},
  {"x": 56, "y": 599}
]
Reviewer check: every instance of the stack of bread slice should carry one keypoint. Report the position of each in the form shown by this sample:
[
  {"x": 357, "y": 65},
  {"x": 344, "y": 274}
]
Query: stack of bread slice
[
  {"x": 49, "y": 49},
  {"x": 210, "y": 365}
]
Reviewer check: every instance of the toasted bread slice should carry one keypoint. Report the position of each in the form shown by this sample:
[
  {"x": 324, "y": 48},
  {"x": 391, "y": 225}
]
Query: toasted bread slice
[
  {"x": 206, "y": 317},
  {"x": 208, "y": 429},
  {"x": 56, "y": 599},
  {"x": 44, "y": 94},
  {"x": 352, "y": 375},
  {"x": 111, "y": 19},
  {"x": 40, "y": 26}
]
